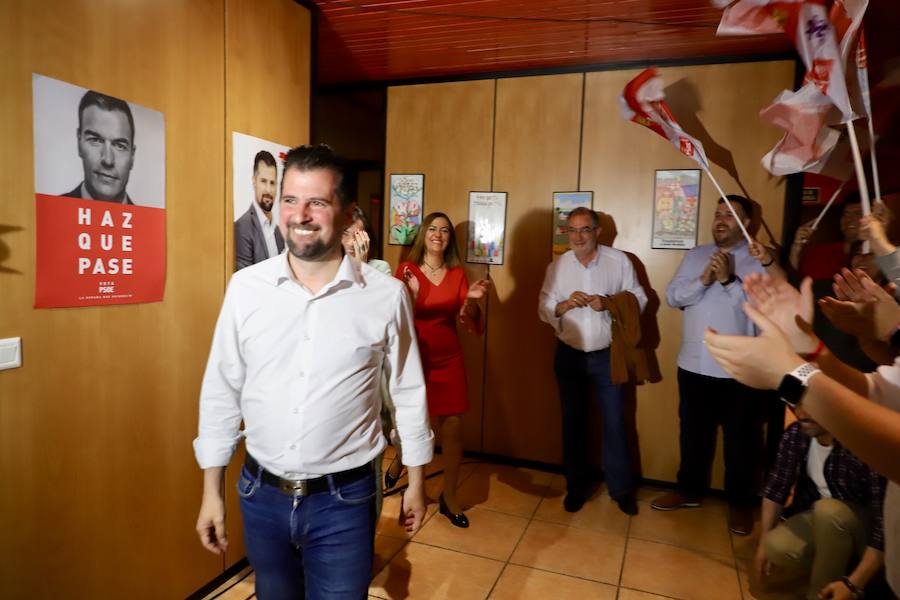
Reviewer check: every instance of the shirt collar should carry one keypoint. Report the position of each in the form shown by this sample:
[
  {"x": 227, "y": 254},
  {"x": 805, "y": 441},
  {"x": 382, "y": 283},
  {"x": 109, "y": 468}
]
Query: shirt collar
[
  {"x": 262, "y": 216},
  {"x": 349, "y": 272}
]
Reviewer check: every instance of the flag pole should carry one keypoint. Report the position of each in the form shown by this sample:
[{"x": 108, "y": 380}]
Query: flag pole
[
  {"x": 727, "y": 203},
  {"x": 860, "y": 173},
  {"x": 827, "y": 206},
  {"x": 873, "y": 160}
]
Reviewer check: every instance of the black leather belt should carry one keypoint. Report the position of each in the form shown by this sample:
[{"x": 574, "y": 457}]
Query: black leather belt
[{"x": 305, "y": 487}]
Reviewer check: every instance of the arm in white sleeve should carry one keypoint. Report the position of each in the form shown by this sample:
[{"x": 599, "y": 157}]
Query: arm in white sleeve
[
  {"x": 406, "y": 384},
  {"x": 220, "y": 394},
  {"x": 549, "y": 298},
  {"x": 685, "y": 289}
]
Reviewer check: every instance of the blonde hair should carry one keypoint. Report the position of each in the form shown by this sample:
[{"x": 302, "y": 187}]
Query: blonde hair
[{"x": 417, "y": 252}]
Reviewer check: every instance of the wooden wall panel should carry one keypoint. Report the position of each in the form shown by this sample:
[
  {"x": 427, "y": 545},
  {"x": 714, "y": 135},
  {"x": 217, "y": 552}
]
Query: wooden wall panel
[
  {"x": 618, "y": 163},
  {"x": 537, "y": 148},
  {"x": 535, "y": 154},
  {"x": 101, "y": 488},
  {"x": 267, "y": 95},
  {"x": 444, "y": 131}
]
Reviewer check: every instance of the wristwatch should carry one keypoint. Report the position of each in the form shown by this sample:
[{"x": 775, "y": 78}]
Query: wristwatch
[{"x": 793, "y": 385}]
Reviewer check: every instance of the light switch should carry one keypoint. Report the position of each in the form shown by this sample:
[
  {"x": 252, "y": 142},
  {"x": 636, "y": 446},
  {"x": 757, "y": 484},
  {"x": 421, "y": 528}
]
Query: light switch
[{"x": 10, "y": 353}]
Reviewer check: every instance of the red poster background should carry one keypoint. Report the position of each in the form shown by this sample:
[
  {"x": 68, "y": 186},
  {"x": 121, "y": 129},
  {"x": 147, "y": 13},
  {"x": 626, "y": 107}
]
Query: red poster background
[{"x": 69, "y": 275}]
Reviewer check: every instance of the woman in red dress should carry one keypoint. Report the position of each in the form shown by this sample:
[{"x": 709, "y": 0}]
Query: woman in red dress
[{"x": 437, "y": 282}]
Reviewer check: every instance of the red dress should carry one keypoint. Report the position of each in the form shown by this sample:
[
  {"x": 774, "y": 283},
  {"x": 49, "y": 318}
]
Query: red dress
[{"x": 435, "y": 313}]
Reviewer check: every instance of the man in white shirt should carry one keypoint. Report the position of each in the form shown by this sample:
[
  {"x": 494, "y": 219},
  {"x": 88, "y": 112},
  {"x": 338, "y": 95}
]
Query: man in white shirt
[
  {"x": 256, "y": 234},
  {"x": 574, "y": 301},
  {"x": 298, "y": 353}
]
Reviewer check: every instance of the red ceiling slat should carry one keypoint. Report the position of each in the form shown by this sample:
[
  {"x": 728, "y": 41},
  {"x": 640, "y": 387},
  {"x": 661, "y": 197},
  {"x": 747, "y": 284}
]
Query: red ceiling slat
[{"x": 395, "y": 39}]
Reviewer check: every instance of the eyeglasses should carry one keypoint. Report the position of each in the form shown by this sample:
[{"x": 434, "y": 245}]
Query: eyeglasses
[{"x": 579, "y": 230}]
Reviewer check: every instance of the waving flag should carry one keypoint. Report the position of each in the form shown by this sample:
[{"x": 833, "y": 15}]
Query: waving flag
[{"x": 643, "y": 102}]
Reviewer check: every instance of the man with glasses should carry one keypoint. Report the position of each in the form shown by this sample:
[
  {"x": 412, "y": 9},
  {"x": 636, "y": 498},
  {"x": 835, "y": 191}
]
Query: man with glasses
[{"x": 574, "y": 300}]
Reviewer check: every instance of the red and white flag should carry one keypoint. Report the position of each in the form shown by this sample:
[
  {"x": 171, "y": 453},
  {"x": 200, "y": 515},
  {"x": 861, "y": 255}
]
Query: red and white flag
[
  {"x": 806, "y": 22},
  {"x": 643, "y": 102}
]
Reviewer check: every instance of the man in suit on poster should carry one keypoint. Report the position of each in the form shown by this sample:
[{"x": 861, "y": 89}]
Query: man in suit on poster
[
  {"x": 106, "y": 148},
  {"x": 256, "y": 235}
]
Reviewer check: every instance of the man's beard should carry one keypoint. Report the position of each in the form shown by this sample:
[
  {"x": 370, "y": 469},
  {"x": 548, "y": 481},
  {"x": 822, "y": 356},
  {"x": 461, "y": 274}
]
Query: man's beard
[
  {"x": 266, "y": 203},
  {"x": 312, "y": 251}
]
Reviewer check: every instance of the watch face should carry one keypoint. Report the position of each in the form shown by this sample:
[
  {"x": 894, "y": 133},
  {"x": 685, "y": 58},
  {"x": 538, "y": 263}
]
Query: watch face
[{"x": 791, "y": 390}]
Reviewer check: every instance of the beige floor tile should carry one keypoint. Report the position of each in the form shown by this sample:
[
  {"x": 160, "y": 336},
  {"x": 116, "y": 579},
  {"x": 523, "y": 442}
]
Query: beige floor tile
[
  {"x": 386, "y": 547},
  {"x": 703, "y": 529},
  {"x": 523, "y": 583},
  {"x": 510, "y": 490},
  {"x": 679, "y": 572},
  {"x": 600, "y": 513},
  {"x": 787, "y": 588},
  {"x": 595, "y": 555},
  {"x": 491, "y": 534},
  {"x": 420, "y": 571},
  {"x": 627, "y": 594}
]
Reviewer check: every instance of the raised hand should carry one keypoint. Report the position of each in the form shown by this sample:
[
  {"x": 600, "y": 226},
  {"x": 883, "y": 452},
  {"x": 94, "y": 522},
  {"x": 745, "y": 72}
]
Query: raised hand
[
  {"x": 361, "y": 245},
  {"x": 862, "y": 307},
  {"x": 790, "y": 309},
  {"x": 760, "y": 362},
  {"x": 722, "y": 266},
  {"x": 760, "y": 253},
  {"x": 479, "y": 289},
  {"x": 412, "y": 283}
]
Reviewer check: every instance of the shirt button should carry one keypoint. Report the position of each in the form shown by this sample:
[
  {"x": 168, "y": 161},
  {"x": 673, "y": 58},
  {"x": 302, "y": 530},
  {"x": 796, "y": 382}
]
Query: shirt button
[
  {"x": 306, "y": 337},
  {"x": 302, "y": 374},
  {"x": 293, "y": 446},
  {"x": 296, "y": 411}
]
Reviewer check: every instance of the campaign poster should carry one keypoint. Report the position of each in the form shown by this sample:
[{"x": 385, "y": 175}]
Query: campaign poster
[
  {"x": 487, "y": 227},
  {"x": 676, "y": 199},
  {"x": 563, "y": 204},
  {"x": 100, "y": 198},
  {"x": 407, "y": 203},
  {"x": 257, "y": 168}
]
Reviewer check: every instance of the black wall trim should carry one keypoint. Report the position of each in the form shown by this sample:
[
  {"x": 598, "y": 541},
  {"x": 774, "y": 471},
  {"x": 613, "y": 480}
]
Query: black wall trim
[
  {"x": 220, "y": 579},
  {"x": 617, "y": 66}
]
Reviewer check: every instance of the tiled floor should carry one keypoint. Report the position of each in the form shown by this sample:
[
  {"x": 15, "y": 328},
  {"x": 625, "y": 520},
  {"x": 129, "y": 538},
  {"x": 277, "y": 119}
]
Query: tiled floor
[{"x": 522, "y": 545}]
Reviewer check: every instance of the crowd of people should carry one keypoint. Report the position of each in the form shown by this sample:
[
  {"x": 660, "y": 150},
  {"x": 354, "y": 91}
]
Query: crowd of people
[{"x": 324, "y": 352}]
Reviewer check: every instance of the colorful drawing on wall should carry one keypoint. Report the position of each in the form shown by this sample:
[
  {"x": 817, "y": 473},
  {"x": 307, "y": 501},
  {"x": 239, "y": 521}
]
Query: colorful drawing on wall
[
  {"x": 257, "y": 167},
  {"x": 487, "y": 227},
  {"x": 100, "y": 198},
  {"x": 407, "y": 205},
  {"x": 676, "y": 199},
  {"x": 563, "y": 204}
]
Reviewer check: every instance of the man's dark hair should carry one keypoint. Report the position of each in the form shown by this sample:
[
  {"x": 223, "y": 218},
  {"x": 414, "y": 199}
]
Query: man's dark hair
[
  {"x": 321, "y": 156},
  {"x": 744, "y": 203},
  {"x": 583, "y": 210},
  {"x": 264, "y": 157},
  {"x": 107, "y": 103}
]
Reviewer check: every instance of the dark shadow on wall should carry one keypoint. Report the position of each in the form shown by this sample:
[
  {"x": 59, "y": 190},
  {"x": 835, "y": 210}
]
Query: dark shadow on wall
[
  {"x": 5, "y": 252},
  {"x": 650, "y": 338}
]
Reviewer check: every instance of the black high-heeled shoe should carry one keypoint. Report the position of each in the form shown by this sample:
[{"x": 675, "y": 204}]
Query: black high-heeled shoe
[
  {"x": 458, "y": 519},
  {"x": 389, "y": 480}
]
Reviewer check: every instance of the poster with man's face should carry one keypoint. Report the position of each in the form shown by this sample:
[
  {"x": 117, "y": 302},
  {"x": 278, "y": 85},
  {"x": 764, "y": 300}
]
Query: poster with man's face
[
  {"x": 100, "y": 197},
  {"x": 256, "y": 179}
]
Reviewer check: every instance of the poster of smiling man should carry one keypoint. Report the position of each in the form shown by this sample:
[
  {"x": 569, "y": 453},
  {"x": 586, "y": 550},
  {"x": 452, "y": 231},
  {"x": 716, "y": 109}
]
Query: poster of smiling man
[{"x": 100, "y": 198}]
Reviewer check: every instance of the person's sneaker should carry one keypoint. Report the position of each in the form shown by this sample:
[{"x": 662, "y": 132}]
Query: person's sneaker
[
  {"x": 740, "y": 520},
  {"x": 574, "y": 500},
  {"x": 674, "y": 501},
  {"x": 627, "y": 504}
]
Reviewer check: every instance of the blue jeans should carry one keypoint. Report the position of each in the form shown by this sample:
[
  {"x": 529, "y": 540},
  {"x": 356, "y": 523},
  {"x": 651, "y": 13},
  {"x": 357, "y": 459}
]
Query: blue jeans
[
  {"x": 577, "y": 373},
  {"x": 316, "y": 546}
]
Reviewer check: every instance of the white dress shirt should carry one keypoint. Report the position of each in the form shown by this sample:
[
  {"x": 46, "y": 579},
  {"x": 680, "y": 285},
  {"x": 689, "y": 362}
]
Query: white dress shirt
[
  {"x": 609, "y": 273},
  {"x": 268, "y": 227},
  {"x": 303, "y": 370}
]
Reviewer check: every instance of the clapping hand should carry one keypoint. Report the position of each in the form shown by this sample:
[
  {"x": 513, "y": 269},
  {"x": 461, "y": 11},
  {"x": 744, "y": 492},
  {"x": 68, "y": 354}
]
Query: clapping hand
[
  {"x": 790, "y": 309},
  {"x": 861, "y": 307},
  {"x": 412, "y": 283},
  {"x": 361, "y": 245}
]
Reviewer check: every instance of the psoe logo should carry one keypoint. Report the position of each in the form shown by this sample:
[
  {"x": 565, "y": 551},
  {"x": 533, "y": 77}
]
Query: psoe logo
[
  {"x": 686, "y": 146},
  {"x": 820, "y": 73}
]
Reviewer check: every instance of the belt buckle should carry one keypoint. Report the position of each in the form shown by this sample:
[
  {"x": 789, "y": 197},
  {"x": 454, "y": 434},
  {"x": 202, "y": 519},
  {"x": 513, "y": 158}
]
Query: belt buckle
[{"x": 295, "y": 487}]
